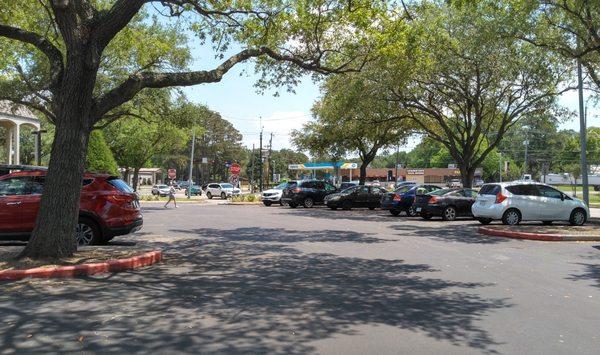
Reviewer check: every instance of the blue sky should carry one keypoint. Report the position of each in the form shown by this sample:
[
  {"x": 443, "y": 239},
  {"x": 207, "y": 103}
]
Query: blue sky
[{"x": 237, "y": 100}]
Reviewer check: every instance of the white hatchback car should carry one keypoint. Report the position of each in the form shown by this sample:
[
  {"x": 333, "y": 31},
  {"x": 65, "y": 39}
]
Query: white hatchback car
[
  {"x": 517, "y": 201},
  {"x": 222, "y": 190}
]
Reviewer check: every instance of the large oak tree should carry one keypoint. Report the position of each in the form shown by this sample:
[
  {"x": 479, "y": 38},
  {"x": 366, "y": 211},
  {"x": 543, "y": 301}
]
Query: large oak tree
[{"x": 56, "y": 54}]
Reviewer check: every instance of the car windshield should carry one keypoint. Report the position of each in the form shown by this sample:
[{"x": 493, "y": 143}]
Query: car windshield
[
  {"x": 404, "y": 189},
  {"x": 281, "y": 186},
  {"x": 441, "y": 192},
  {"x": 227, "y": 186}
]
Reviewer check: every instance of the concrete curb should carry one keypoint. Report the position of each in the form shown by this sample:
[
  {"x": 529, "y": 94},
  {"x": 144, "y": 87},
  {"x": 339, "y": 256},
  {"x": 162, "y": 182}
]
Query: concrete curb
[
  {"x": 538, "y": 236},
  {"x": 114, "y": 265}
]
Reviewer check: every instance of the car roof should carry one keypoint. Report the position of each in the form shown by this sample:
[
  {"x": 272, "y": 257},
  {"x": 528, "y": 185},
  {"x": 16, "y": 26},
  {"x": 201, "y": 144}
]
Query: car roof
[{"x": 516, "y": 182}]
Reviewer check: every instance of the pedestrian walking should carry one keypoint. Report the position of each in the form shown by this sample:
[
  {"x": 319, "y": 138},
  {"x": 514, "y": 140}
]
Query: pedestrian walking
[{"x": 171, "y": 196}]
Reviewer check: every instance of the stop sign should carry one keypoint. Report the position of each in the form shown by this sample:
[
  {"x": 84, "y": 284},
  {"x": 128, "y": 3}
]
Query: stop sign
[
  {"x": 172, "y": 174},
  {"x": 235, "y": 168}
]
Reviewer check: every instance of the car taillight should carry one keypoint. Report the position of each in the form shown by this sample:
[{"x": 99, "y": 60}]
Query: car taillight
[
  {"x": 433, "y": 199},
  {"x": 297, "y": 190},
  {"x": 397, "y": 197},
  {"x": 500, "y": 197}
]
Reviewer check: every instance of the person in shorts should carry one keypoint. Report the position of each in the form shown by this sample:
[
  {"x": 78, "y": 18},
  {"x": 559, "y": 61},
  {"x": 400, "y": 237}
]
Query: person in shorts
[{"x": 171, "y": 196}]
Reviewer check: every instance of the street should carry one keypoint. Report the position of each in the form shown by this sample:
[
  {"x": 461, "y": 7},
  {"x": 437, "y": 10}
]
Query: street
[{"x": 253, "y": 279}]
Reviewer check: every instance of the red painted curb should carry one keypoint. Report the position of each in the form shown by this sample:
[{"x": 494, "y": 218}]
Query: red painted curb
[
  {"x": 535, "y": 236},
  {"x": 115, "y": 265}
]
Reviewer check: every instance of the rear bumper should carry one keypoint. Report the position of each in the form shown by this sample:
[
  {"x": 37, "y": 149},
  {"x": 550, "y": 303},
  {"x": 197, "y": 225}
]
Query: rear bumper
[
  {"x": 492, "y": 210},
  {"x": 434, "y": 210},
  {"x": 110, "y": 232}
]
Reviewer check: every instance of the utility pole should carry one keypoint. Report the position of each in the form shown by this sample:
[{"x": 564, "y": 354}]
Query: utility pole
[
  {"x": 526, "y": 143},
  {"x": 500, "y": 167},
  {"x": 252, "y": 170},
  {"x": 260, "y": 173},
  {"x": 190, "y": 180},
  {"x": 397, "y": 162},
  {"x": 269, "y": 159},
  {"x": 583, "y": 137}
]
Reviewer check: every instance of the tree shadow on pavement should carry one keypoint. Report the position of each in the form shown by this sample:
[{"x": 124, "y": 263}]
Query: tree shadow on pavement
[
  {"x": 225, "y": 291},
  {"x": 451, "y": 232},
  {"x": 356, "y": 214}
]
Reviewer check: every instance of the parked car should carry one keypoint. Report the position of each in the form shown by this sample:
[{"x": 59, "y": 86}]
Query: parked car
[
  {"x": 273, "y": 195},
  {"x": 222, "y": 189},
  {"x": 182, "y": 185},
  {"x": 518, "y": 201},
  {"x": 347, "y": 184},
  {"x": 478, "y": 183},
  {"x": 195, "y": 190},
  {"x": 402, "y": 198},
  {"x": 455, "y": 184},
  {"x": 307, "y": 193},
  {"x": 357, "y": 196},
  {"x": 108, "y": 207},
  {"x": 160, "y": 190},
  {"x": 445, "y": 203},
  {"x": 405, "y": 183}
]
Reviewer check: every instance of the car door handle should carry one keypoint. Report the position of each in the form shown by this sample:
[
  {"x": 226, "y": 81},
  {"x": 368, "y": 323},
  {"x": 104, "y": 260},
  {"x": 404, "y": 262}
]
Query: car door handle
[{"x": 13, "y": 203}]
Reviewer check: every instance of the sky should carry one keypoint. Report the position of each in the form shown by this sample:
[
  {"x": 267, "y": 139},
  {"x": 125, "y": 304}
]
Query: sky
[{"x": 238, "y": 101}]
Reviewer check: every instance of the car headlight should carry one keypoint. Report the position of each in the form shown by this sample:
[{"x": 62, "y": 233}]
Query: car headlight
[{"x": 334, "y": 198}]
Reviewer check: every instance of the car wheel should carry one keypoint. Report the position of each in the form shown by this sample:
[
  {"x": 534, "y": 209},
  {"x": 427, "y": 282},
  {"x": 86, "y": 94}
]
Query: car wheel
[
  {"x": 511, "y": 217},
  {"x": 308, "y": 202},
  {"x": 578, "y": 217},
  {"x": 333, "y": 208},
  {"x": 411, "y": 211},
  {"x": 87, "y": 232},
  {"x": 372, "y": 208},
  {"x": 267, "y": 203},
  {"x": 281, "y": 203},
  {"x": 597, "y": 188},
  {"x": 449, "y": 214},
  {"x": 484, "y": 220},
  {"x": 209, "y": 195},
  {"x": 395, "y": 212},
  {"x": 426, "y": 216},
  {"x": 546, "y": 223},
  {"x": 293, "y": 205},
  {"x": 347, "y": 206},
  {"x": 223, "y": 196}
]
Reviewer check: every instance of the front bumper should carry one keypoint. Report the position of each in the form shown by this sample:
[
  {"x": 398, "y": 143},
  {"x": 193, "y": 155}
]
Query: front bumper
[{"x": 272, "y": 198}]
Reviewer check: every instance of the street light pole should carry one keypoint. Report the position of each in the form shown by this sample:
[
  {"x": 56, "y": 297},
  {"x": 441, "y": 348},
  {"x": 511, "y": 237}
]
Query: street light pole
[
  {"x": 582, "y": 136},
  {"x": 190, "y": 180}
]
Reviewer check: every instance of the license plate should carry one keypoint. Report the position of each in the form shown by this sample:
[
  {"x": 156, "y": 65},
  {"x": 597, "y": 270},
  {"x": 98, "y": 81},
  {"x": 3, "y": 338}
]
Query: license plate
[{"x": 418, "y": 209}]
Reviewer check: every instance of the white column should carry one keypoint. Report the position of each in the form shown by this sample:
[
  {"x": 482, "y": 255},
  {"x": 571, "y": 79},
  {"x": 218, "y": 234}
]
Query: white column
[
  {"x": 17, "y": 144},
  {"x": 9, "y": 138}
]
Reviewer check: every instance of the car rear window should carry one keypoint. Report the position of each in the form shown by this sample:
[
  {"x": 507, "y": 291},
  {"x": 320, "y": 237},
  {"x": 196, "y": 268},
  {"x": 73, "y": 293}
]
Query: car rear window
[
  {"x": 120, "y": 185},
  {"x": 489, "y": 190}
]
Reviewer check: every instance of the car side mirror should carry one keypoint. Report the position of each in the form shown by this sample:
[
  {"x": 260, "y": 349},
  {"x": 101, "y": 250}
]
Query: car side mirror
[{"x": 562, "y": 197}]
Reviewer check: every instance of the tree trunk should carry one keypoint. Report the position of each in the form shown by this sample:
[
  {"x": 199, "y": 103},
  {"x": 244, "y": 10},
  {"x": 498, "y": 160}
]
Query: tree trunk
[
  {"x": 126, "y": 173},
  {"x": 136, "y": 177},
  {"x": 53, "y": 235},
  {"x": 467, "y": 175},
  {"x": 363, "y": 173}
]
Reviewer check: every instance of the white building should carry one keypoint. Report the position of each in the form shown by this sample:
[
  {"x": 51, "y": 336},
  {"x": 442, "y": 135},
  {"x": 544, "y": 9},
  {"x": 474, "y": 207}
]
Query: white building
[
  {"x": 12, "y": 118},
  {"x": 149, "y": 176}
]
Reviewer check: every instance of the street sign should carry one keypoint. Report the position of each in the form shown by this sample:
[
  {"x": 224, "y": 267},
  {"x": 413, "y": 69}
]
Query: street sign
[
  {"x": 204, "y": 160},
  {"x": 172, "y": 173},
  {"x": 234, "y": 179},
  {"x": 235, "y": 169}
]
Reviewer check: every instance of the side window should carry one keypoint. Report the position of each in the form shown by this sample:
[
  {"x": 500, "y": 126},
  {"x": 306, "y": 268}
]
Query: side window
[
  {"x": 319, "y": 185},
  {"x": 456, "y": 194},
  {"x": 329, "y": 187},
  {"x": 516, "y": 189},
  {"x": 364, "y": 190},
  {"x": 547, "y": 191},
  {"x": 36, "y": 186},
  {"x": 14, "y": 186},
  {"x": 432, "y": 188},
  {"x": 376, "y": 190},
  {"x": 523, "y": 190},
  {"x": 308, "y": 185}
]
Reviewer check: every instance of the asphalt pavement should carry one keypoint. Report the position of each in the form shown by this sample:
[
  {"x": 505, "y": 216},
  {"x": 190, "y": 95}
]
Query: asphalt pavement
[{"x": 255, "y": 279}]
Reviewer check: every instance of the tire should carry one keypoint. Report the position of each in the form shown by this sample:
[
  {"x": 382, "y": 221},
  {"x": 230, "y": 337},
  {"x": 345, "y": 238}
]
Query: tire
[
  {"x": 223, "y": 196},
  {"x": 597, "y": 188},
  {"x": 578, "y": 217},
  {"x": 293, "y": 205},
  {"x": 281, "y": 203},
  {"x": 372, "y": 208},
  {"x": 333, "y": 208},
  {"x": 87, "y": 232},
  {"x": 547, "y": 223},
  {"x": 347, "y": 206},
  {"x": 267, "y": 203},
  {"x": 308, "y": 202},
  {"x": 485, "y": 221},
  {"x": 395, "y": 212},
  {"x": 511, "y": 217},
  {"x": 449, "y": 213},
  {"x": 411, "y": 212},
  {"x": 426, "y": 216},
  {"x": 209, "y": 195}
]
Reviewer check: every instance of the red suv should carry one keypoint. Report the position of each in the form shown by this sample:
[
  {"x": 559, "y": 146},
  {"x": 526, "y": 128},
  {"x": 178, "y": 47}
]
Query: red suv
[{"x": 108, "y": 206}]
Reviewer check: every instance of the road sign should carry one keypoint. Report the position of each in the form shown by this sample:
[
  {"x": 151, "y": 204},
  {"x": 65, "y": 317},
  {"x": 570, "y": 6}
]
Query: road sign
[
  {"x": 172, "y": 174},
  {"x": 234, "y": 179},
  {"x": 204, "y": 160},
  {"x": 235, "y": 169}
]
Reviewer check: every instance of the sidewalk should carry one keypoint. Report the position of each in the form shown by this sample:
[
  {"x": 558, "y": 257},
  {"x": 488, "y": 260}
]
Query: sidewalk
[{"x": 595, "y": 212}]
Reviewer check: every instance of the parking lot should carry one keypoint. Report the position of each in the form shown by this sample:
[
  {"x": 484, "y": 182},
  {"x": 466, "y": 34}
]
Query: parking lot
[{"x": 255, "y": 279}]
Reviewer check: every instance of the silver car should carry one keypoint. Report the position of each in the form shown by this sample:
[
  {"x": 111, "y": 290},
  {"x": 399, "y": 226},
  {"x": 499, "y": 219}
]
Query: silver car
[
  {"x": 160, "y": 190},
  {"x": 222, "y": 190},
  {"x": 517, "y": 201}
]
